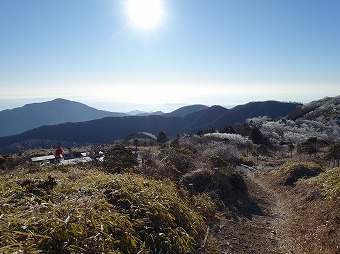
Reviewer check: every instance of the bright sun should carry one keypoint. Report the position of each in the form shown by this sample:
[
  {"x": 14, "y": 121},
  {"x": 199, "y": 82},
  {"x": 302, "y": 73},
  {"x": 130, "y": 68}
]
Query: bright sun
[{"x": 145, "y": 14}]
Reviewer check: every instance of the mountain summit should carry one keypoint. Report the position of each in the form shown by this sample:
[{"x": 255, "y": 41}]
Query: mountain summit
[{"x": 17, "y": 120}]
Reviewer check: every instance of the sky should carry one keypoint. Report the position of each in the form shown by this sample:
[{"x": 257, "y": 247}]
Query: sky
[{"x": 221, "y": 52}]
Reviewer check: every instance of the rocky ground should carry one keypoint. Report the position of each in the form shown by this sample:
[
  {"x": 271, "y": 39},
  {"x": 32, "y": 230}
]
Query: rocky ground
[{"x": 259, "y": 232}]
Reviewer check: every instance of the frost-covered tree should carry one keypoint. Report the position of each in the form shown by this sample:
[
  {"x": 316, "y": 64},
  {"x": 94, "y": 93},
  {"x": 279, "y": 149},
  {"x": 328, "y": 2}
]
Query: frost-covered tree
[
  {"x": 225, "y": 152},
  {"x": 297, "y": 132},
  {"x": 234, "y": 139}
]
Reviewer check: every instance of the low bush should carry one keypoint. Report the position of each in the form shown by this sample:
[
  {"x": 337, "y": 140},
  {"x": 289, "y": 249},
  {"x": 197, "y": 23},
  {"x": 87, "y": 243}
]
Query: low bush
[
  {"x": 216, "y": 161},
  {"x": 119, "y": 159},
  {"x": 12, "y": 161},
  {"x": 181, "y": 158},
  {"x": 226, "y": 152},
  {"x": 291, "y": 172},
  {"x": 224, "y": 185}
]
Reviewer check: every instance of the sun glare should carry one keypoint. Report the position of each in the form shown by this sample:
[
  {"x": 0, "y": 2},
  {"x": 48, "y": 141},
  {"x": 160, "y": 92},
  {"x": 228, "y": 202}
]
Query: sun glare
[{"x": 145, "y": 14}]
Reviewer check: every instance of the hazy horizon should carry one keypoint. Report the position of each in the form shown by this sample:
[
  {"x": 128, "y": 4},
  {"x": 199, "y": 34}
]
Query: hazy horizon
[{"x": 126, "y": 107}]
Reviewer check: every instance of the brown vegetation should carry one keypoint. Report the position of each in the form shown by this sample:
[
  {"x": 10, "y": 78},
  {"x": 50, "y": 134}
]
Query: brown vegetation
[
  {"x": 312, "y": 203},
  {"x": 185, "y": 196}
]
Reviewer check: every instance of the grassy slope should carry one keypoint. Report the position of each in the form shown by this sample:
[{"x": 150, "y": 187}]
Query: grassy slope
[
  {"x": 84, "y": 209},
  {"x": 313, "y": 201},
  {"x": 74, "y": 209}
]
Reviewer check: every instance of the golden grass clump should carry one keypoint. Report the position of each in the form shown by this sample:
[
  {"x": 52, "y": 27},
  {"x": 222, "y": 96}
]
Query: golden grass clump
[
  {"x": 330, "y": 184},
  {"x": 85, "y": 210},
  {"x": 314, "y": 206},
  {"x": 291, "y": 172},
  {"x": 327, "y": 185},
  {"x": 317, "y": 209}
]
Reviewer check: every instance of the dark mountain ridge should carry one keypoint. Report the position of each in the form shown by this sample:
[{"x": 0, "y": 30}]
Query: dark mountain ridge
[
  {"x": 272, "y": 109},
  {"x": 104, "y": 130},
  {"x": 203, "y": 119},
  {"x": 30, "y": 116},
  {"x": 108, "y": 129},
  {"x": 186, "y": 110},
  {"x": 17, "y": 120}
]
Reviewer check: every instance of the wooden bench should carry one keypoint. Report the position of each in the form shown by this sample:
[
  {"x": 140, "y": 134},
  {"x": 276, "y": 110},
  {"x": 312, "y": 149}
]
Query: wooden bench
[
  {"x": 76, "y": 161},
  {"x": 43, "y": 158},
  {"x": 73, "y": 161}
]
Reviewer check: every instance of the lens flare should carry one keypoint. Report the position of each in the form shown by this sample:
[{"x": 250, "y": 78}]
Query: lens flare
[{"x": 145, "y": 14}]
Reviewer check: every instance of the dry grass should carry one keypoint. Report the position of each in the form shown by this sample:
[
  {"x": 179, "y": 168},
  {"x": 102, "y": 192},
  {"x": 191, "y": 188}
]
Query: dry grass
[
  {"x": 164, "y": 206},
  {"x": 85, "y": 210},
  {"x": 291, "y": 172},
  {"x": 313, "y": 206}
]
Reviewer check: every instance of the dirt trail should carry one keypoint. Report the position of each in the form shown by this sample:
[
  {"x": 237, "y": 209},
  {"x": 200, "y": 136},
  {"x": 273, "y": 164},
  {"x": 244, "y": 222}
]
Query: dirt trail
[{"x": 262, "y": 232}]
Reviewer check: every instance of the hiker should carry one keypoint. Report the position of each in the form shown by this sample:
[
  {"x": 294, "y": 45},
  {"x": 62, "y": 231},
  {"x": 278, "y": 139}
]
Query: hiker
[
  {"x": 69, "y": 154},
  {"x": 59, "y": 153}
]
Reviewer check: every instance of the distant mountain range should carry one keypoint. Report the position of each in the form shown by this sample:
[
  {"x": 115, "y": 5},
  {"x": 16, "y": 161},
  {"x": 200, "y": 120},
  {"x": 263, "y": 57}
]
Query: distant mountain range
[
  {"x": 188, "y": 120},
  {"x": 18, "y": 120},
  {"x": 142, "y": 113},
  {"x": 186, "y": 110}
]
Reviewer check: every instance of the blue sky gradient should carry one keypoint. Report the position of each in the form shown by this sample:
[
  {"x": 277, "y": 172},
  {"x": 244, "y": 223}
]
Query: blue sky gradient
[{"x": 223, "y": 52}]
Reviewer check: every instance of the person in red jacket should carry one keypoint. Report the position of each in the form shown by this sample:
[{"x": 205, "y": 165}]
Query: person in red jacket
[{"x": 59, "y": 153}]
